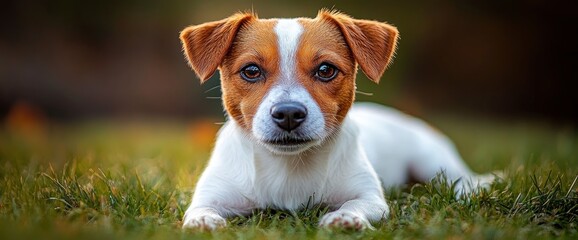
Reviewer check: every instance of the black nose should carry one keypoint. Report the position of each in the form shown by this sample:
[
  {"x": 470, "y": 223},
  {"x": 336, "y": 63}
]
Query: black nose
[{"x": 288, "y": 115}]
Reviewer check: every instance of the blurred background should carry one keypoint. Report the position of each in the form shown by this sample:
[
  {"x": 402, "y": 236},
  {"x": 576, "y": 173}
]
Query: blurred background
[
  {"x": 68, "y": 60},
  {"x": 105, "y": 129}
]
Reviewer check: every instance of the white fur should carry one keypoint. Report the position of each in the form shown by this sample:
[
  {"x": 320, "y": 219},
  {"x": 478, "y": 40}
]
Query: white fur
[
  {"x": 288, "y": 33},
  {"x": 398, "y": 145}
]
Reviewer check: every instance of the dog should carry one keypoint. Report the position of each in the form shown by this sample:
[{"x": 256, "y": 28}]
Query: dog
[{"x": 294, "y": 135}]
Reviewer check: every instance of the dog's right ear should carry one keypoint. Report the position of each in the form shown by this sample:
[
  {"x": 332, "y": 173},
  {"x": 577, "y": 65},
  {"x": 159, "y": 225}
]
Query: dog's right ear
[{"x": 206, "y": 45}]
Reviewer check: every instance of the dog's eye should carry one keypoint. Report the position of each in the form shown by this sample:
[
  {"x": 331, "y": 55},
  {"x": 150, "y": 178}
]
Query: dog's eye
[
  {"x": 326, "y": 72},
  {"x": 251, "y": 73}
]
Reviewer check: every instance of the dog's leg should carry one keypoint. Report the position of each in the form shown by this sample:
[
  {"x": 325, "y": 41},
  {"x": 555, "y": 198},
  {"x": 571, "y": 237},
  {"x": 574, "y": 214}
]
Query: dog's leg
[
  {"x": 221, "y": 189},
  {"x": 213, "y": 201},
  {"x": 439, "y": 155},
  {"x": 354, "y": 176}
]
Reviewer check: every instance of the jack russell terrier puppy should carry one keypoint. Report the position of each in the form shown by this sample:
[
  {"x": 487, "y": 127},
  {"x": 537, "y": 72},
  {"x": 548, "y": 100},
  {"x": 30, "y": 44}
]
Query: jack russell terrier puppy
[{"x": 295, "y": 135}]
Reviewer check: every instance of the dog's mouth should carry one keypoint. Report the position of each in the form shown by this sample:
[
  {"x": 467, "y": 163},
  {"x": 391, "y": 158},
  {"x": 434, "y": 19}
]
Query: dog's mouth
[
  {"x": 288, "y": 141},
  {"x": 289, "y": 145}
]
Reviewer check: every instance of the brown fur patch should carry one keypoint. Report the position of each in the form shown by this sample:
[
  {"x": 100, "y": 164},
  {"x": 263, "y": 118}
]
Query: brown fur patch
[
  {"x": 322, "y": 42},
  {"x": 256, "y": 43}
]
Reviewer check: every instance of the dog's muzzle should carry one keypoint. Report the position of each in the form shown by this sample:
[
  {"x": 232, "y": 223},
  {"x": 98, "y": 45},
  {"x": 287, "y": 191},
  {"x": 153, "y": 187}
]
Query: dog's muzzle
[{"x": 290, "y": 136}]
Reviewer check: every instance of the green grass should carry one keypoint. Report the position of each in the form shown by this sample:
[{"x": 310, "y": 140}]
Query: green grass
[{"x": 113, "y": 181}]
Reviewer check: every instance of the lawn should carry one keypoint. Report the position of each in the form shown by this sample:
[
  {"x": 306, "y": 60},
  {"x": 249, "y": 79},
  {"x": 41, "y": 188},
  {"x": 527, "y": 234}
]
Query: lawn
[{"x": 110, "y": 180}]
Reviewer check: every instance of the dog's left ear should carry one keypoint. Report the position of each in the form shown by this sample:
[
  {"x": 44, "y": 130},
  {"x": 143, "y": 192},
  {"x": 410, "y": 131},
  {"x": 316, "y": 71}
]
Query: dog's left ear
[
  {"x": 372, "y": 43},
  {"x": 206, "y": 45}
]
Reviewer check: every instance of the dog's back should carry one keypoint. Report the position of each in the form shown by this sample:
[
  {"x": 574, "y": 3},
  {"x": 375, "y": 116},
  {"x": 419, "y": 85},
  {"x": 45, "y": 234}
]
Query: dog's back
[{"x": 403, "y": 148}]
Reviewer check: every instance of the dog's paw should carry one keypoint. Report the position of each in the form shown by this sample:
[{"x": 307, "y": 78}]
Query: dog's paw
[
  {"x": 344, "y": 220},
  {"x": 474, "y": 184},
  {"x": 206, "y": 222}
]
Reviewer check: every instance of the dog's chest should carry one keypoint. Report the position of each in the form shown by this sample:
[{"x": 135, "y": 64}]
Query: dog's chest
[{"x": 288, "y": 182}]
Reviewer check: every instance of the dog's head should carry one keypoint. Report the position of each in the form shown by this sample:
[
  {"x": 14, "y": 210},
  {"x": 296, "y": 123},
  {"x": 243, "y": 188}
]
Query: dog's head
[{"x": 289, "y": 82}]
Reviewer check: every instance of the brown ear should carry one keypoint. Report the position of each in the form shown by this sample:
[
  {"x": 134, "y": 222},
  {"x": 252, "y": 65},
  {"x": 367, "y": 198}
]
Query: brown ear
[
  {"x": 206, "y": 45},
  {"x": 372, "y": 43}
]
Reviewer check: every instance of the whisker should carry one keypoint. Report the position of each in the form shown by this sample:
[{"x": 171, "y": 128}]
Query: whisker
[
  {"x": 241, "y": 115},
  {"x": 364, "y": 93},
  {"x": 213, "y": 88},
  {"x": 333, "y": 115}
]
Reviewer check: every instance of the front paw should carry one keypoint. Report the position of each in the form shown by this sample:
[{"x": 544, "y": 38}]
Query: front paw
[
  {"x": 344, "y": 220},
  {"x": 204, "y": 222}
]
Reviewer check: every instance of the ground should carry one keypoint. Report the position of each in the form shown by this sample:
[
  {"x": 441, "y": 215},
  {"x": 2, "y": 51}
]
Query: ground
[{"x": 109, "y": 180}]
